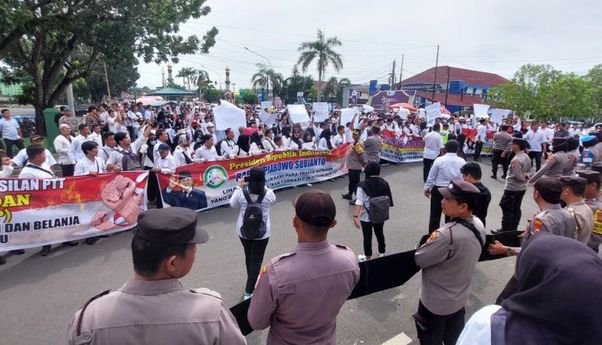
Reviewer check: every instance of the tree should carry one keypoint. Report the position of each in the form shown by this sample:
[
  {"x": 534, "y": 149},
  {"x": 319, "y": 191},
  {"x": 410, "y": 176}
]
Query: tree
[
  {"x": 122, "y": 75},
  {"x": 334, "y": 88},
  {"x": 572, "y": 96},
  {"x": 57, "y": 42},
  {"x": 266, "y": 76},
  {"x": 595, "y": 76},
  {"x": 212, "y": 95},
  {"x": 186, "y": 73},
  {"x": 296, "y": 83},
  {"x": 250, "y": 98},
  {"x": 321, "y": 50},
  {"x": 201, "y": 79}
]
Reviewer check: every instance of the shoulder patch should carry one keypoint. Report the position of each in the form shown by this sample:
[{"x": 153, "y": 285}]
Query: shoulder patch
[
  {"x": 342, "y": 246},
  {"x": 537, "y": 224},
  {"x": 264, "y": 270},
  {"x": 205, "y": 291},
  {"x": 434, "y": 235}
]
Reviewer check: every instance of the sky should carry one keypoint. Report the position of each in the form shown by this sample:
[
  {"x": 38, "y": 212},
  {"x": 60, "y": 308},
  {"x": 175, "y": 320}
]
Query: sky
[{"x": 492, "y": 36}]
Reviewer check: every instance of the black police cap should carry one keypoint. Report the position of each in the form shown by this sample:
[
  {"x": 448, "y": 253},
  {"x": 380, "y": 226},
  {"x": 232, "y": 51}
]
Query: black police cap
[{"x": 169, "y": 227}]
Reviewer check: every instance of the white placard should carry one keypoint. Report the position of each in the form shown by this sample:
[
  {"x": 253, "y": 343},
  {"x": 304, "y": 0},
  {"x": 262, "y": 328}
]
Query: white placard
[
  {"x": 347, "y": 115},
  {"x": 267, "y": 118},
  {"x": 298, "y": 113},
  {"x": 266, "y": 104},
  {"x": 321, "y": 111},
  {"x": 497, "y": 115},
  {"x": 367, "y": 108},
  {"x": 480, "y": 110},
  {"x": 433, "y": 111},
  {"x": 227, "y": 115}
]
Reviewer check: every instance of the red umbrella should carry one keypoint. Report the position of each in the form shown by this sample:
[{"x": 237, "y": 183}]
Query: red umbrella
[
  {"x": 445, "y": 111},
  {"x": 403, "y": 105}
]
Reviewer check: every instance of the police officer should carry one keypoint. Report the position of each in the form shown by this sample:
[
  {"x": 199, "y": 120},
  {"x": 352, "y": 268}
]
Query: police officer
[
  {"x": 448, "y": 260},
  {"x": 154, "y": 307},
  {"x": 355, "y": 164},
  {"x": 299, "y": 294},
  {"x": 572, "y": 195},
  {"x": 516, "y": 186},
  {"x": 592, "y": 199}
]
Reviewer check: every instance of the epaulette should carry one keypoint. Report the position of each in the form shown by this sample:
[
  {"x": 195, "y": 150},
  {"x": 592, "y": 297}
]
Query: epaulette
[
  {"x": 81, "y": 314},
  {"x": 342, "y": 246},
  {"x": 280, "y": 257},
  {"x": 205, "y": 291}
]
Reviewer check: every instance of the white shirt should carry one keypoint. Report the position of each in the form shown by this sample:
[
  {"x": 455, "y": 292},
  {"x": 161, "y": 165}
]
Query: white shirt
[
  {"x": 96, "y": 138},
  {"x": 76, "y": 147},
  {"x": 363, "y": 200},
  {"x": 348, "y": 135},
  {"x": 6, "y": 171},
  {"x": 86, "y": 166},
  {"x": 62, "y": 146},
  {"x": 323, "y": 145},
  {"x": 180, "y": 154},
  {"x": 116, "y": 157},
  {"x": 104, "y": 152},
  {"x": 31, "y": 172},
  {"x": 432, "y": 145},
  {"x": 477, "y": 330},
  {"x": 308, "y": 146},
  {"x": 21, "y": 158},
  {"x": 482, "y": 132},
  {"x": 238, "y": 200},
  {"x": 167, "y": 165},
  {"x": 9, "y": 129},
  {"x": 269, "y": 144},
  {"x": 535, "y": 139},
  {"x": 228, "y": 147},
  {"x": 204, "y": 154},
  {"x": 338, "y": 140},
  {"x": 293, "y": 146},
  {"x": 444, "y": 169}
]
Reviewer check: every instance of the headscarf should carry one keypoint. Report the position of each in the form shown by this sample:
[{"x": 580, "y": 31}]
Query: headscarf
[
  {"x": 244, "y": 142},
  {"x": 559, "y": 299},
  {"x": 326, "y": 134},
  {"x": 256, "y": 180},
  {"x": 256, "y": 138},
  {"x": 373, "y": 184}
]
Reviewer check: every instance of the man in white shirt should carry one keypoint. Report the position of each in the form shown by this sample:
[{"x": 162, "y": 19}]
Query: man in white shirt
[
  {"x": 538, "y": 141},
  {"x": 104, "y": 151},
  {"x": 228, "y": 147},
  {"x": 162, "y": 138},
  {"x": 10, "y": 131},
  {"x": 62, "y": 146},
  {"x": 445, "y": 169},
  {"x": 95, "y": 135},
  {"x": 166, "y": 164},
  {"x": 76, "y": 145},
  {"x": 90, "y": 164},
  {"x": 211, "y": 131},
  {"x": 21, "y": 158},
  {"x": 136, "y": 118},
  {"x": 340, "y": 138},
  {"x": 206, "y": 152},
  {"x": 125, "y": 156},
  {"x": 480, "y": 139},
  {"x": 432, "y": 148},
  {"x": 183, "y": 153}
]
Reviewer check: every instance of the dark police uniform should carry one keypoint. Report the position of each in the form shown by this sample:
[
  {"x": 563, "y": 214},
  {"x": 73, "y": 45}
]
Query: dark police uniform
[
  {"x": 159, "y": 311},
  {"x": 448, "y": 260}
]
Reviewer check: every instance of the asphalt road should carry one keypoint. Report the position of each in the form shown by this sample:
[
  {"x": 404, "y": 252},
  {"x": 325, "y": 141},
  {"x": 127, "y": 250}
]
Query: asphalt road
[{"x": 38, "y": 295}]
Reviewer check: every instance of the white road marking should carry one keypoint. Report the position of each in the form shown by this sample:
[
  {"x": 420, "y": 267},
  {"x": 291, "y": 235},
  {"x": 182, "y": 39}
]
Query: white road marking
[{"x": 400, "y": 339}]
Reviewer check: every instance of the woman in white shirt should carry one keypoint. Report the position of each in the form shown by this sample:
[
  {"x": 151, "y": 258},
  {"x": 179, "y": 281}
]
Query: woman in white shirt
[
  {"x": 325, "y": 140},
  {"x": 253, "y": 238},
  {"x": 296, "y": 141},
  {"x": 244, "y": 145},
  {"x": 268, "y": 140},
  {"x": 308, "y": 141},
  {"x": 62, "y": 146}
]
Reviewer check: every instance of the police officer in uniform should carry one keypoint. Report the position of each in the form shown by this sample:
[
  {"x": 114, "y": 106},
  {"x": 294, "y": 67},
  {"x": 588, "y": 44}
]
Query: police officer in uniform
[
  {"x": 154, "y": 307},
  {"x": 448, "y": 260},
  {"x": 355, "y": 164},
  {"x": 592, "y": 199},
  {"x": 299, "y": 294},
  {"x": 572, "y": 195}
]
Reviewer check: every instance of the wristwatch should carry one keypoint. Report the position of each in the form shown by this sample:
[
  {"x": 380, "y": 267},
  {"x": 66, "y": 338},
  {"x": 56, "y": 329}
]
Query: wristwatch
[{"x": 508, "y": 251}]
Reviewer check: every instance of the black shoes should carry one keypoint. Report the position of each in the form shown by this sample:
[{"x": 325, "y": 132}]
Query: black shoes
[
  {"x": 494, "y": 177},
  {"x": 91, "y": 241},
  {"x": 17, "y": 252},
  {"x": 45, "y": 251},
  {"x": 2, "y": 260},
  {"x": 346, "y": 196},
  {"x": 503, "y": 177},
  {"x": 351, "y": 202},
  {"x": 72, "y": 243}
]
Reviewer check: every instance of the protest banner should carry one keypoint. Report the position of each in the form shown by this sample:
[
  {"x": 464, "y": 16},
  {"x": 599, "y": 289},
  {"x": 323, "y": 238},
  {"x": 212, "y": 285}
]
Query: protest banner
[
  {"x": 433, "y": 111},
  {"x": 267, "y": 118},
  {"x": 298, "y": 113},
  {"x": 480, "y": 110},
  {"x": 201, "y": 186},
  {"x": 37, "y": 212},
  {"x": 497, "y": 115},
  {"x": 266, "y": 104},
  {"x": 321, "y": 111},
  {"x": 227, "y": 115},
  {"x": 401, "y": 150},
  {"x": 347, "y": 115}
]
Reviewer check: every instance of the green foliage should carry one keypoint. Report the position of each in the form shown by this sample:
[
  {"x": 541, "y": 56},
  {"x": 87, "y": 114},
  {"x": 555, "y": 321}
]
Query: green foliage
[
  {"x": 296, "y": 83},
  {"x": 595, "y": 76},
  {"x": 212, "y": 95},
  {"x": 265, "y": 77},
  {"x": 334, "y": 89},
  {"x": 322, "y": 51},
  {"x": 122, "y": 75},
  {"x": 250, "y": 98},
  {"x": 541, "y": 92},
  {"x": 57, "y": 42},
  {"x": 186, "y": 73}
]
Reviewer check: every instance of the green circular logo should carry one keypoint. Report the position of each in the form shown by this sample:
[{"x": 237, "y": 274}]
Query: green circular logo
[{"x": 215, "y": 176}]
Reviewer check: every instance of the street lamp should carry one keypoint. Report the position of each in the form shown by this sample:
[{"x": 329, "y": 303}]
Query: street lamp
[{"x": 269, "y": 63}]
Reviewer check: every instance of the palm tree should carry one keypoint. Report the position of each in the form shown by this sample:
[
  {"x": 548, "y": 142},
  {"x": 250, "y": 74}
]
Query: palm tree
[
  {"x": 322, "y": 51},
  {"x": 265, "y": 76},
  {"x": 334, "y": 88},
  {"x": 200, "y": 78},
  {"x": 186, "y": 73}
]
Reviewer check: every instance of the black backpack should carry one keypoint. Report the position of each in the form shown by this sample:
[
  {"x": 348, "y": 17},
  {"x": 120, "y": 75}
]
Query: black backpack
[
  {"x": 218, "y": 147},
  {"x": 253, "y": 226}
]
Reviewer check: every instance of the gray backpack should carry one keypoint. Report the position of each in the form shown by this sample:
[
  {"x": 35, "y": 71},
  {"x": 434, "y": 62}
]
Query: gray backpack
[{"x": 379, "y": 209}]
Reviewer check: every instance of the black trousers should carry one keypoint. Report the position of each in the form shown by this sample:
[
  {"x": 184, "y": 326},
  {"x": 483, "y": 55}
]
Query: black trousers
[
  {"x": 427, "y": 164},
  {"x": 436, "y": 209},
  {"x": 511, "y": 213},
  {"x": 9, "y": 146},
  {"x": 478, "y": 146},
  {"x": 152, "y": 188},
  {"x": 436, "y": 329},
  {"x": 537, "y": 156},
  {"x": 354, "y": 180},
  {"x": 367, "y": 229},
  {"x": 67, "y": 169},
  {"x": 254, "y": 251},
  {"x": 497, "y": 160}
]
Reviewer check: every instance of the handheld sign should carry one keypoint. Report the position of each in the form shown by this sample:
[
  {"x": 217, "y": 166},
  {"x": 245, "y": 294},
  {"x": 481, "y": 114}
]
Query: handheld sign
[{"x": 227, "y": 115}]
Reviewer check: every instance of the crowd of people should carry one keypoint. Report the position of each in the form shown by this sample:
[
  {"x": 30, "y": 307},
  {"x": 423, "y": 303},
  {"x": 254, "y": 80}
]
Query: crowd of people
[{"x": 123, "y": 137}]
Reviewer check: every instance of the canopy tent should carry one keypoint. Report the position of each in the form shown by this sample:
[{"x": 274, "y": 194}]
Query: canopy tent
[
  {"x": 173, "y": 93},
  {"x": 407, "y": 106},
  {"x": 146, "y": 100}
]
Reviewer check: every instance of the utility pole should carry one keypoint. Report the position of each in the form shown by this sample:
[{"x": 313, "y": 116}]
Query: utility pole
[
  {"x": 447, "y": 88},
  {"x": 108, "y": 87},
  {"x": 436, "y": 67},
  {"x": 401, "y": 71},
  {"x": 393, "y": 76}
]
